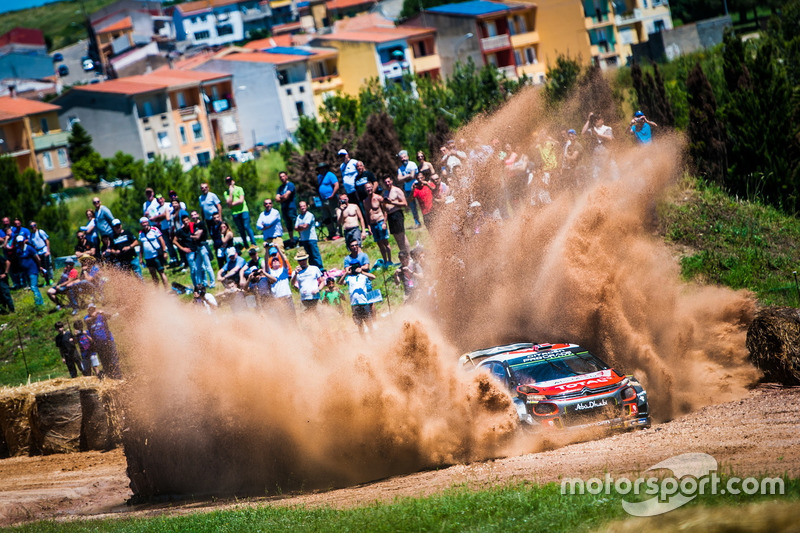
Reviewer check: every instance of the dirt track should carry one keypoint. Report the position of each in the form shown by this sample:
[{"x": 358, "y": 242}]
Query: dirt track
[{"x": 757, "y": 435}]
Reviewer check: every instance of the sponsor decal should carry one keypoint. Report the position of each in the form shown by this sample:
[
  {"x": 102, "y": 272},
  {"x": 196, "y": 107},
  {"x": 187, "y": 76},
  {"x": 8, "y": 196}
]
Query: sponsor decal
[{"x": 591, "y": 404}]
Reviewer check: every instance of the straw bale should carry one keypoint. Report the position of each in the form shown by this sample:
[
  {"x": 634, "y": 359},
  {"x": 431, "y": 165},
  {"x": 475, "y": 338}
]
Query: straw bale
[
  {"x": 3, "y": 446},
  {"x": 15, "y": 424},
  {"x": 95, "y": 429},
  {"x": 56, "y": 421},
  {"x": 773, "y": 341}
]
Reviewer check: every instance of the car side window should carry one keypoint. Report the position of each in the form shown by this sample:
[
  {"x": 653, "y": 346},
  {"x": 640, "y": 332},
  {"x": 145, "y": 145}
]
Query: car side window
[{"x": 499, "y": 372}]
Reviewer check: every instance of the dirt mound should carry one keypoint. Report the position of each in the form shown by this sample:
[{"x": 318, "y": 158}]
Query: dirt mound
[{"x": 774, "y": 344}]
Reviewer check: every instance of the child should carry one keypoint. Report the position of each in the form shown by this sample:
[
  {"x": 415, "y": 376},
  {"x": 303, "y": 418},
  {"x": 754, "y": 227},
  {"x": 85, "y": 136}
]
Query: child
[
  {"x": 90, "y": 364},
  {"x": 405, "y": 275},
  {"x": 358, "y": 285},
  {"x": 332, "y": 295}
]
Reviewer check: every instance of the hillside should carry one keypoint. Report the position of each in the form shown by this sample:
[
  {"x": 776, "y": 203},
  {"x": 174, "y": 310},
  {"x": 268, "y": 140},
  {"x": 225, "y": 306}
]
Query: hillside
[{"x": 62, "y": 22}]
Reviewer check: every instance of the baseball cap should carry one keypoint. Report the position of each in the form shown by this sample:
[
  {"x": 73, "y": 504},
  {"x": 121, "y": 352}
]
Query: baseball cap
[
  {"x": 70, "y": 260},
  {"x": 342, "y": 152},
  {"x": 91, "y": 306},
  {"x": 322, "y": 164},
  {"x": 572, "y": 132},
  {"x": 252, "y": 251},
  {"x": 144, "y": 219},
  {"x": 231, "y": 251},
  {"x": 159, "y": 195},
  {"x": 638, "y": 114},
  {"x": 273, "y": 250},
  {"x": 116, "y": 221}
]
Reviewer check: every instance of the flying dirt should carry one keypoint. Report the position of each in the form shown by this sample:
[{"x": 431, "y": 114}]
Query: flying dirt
[{"x": 231, "y": 403}]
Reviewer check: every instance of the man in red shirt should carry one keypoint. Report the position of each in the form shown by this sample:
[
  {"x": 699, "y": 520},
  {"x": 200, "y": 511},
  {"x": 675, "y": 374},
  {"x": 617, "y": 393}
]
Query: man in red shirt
[{"x": 424, "y": 197}]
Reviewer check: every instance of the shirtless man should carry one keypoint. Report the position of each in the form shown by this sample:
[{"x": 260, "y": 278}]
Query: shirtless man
[
  {"x": 394, "y": 200},
  {"x": 377, "y": 222},
  {"x": 350, "y": 219}
]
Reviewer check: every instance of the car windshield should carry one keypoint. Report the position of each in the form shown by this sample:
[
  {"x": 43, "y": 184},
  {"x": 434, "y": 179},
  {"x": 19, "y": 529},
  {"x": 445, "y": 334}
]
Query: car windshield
[{"x": 557, "y": 368}]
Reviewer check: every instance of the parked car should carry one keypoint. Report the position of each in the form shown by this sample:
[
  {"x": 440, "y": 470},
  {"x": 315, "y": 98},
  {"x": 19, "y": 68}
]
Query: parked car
[
  {"x": 240, "y": 156},
  {"x": 63, "y": 70},
  {"x": 563, "y": 386},
  {"x": 87, "y": 64},
  {"x": 57, "y": 57}
]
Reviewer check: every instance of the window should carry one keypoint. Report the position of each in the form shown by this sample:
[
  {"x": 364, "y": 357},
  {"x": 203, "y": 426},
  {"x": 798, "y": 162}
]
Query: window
[
  {"x": 45, "y": 128},
  {"x": 492, "y": 59},
  {"x": 421, "y": 49},
  {"x": 201, "y": 35},
  {"x": 300, "y": 109},
  {"x": 521, "y": 26},
  {"x": 197, "y": 130},
  {"x": 660, "y": 26},
  {"x": 187, "y": 160},
  {"x": 72, "y": 120},
  {"x": 163, "y": 139},
  {"x": 47, "y": 160},
  {"x": 151, "y": 156},
  {"x": 491, "y": 28},
  {"x": 512, "y": 27},
  {"x": 181, "y": 99},
  {"x": 302, "y": 89},
  {"x": 203, "y": 159},
  {"x": 147, "y": 108},
  {"x": 283, "y": 77},
  {"x": 518, "y": 57},
  {"x": 530, "y": 56},
  {"x": 183, "y": 135},
  {"x": 227, "y": 29},
  {"x": 288, "y": 92},
  {"x": 62, "y": 157},
  {"x": 215, "y": 93}
]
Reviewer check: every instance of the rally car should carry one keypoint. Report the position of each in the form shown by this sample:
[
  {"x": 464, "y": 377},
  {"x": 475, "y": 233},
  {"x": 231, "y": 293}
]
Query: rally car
[{"x": 563, "y": 386}]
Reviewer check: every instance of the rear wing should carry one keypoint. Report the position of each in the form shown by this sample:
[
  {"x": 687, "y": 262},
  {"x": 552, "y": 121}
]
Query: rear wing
[{"x": 472, "y": 359}]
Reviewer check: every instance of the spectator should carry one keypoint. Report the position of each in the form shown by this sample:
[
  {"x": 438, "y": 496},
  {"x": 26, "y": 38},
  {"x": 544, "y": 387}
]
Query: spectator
[
  {"x": 327, "y": 188},
  {"x": 90, "y": 364},
  {"x": 226, "y": 241},
  {"x": 307, "y": 232},
  {"x": 349, "y": 172},
  {"x": 18, "y": 273},
  {"x": 394, "y": 201},
  {"x": 90, "y": 282},
  {"x": 259, "y": 283},
  {"x": 234, "y": 197},
  {"x": 281, "y": 287},
  {"x": 601, "y": 137},
  {"x": 423, "y": 164},
  {"x": 286, "y": 197},
  {"x": 162, "y": 219},
  {"x": 215, "y": 232},
  {"x": 176, "y": 211},
  {"x": 350, "y": 219},
  {"x": 231, "y": 274},
  {"x": 209, "y": 203},
  {"x": 407, "y": 275},
  {"x": 547, "y": 151},
  {"x": 640, "y": 128},
  {"x": 84, "y": 246},
  {"x": 332, "y": 295},
  {"x": 184, "y": 242},
  {"x": 377, "y": 223},
  {"x": 102, "y": 219},
  {"x": 29, "y": 263},
  {"x": 308, "y": 280},
  {"x": 91, "y": 231},
  {"x": 363, "y": 177},
  {"x": 357, "y": 279},
  {"x": 65, "y": 342},
  {"x": 64, "y": 286},
  {"x": 153, "y": 253},
  {"x": 204, "y": 299},
  {"x": 573, "y": 157},
  {"x": 407, "y": 176},
  {"x": 202, "y": 256},
  {"x": 6, "y": 301},
  {"x": 440, "y": 193},
  {"x": 18, "y": 229},
  {"x": 356, "y": 257},
  {"x": 150, "y": 205},
  {"x": 274, "y": 252},
  {"x": 269, "y": 223},
  {"x": 15, "y": 270},
  {"x": 103, "y": 340},
  {"x": 123, "y": 247},
  {"x": 423, "y": 195},
  {"x": 41, "y": 243}
]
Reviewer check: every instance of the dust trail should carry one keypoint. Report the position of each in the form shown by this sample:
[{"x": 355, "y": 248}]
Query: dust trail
[{"x": 243, "y": 403}]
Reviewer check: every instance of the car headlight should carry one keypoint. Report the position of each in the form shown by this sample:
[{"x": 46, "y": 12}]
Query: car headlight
[
  {"x": 543, "y": 409},
  {"x": 628, "y": 394}
]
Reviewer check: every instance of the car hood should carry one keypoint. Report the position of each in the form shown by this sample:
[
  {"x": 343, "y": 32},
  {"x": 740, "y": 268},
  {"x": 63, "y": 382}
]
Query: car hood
[{"x": 595, "y": 380}]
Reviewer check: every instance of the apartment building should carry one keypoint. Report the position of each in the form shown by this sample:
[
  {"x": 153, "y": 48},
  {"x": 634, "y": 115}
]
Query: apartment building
[
  {"x": 170, "y": 113},
  {"x": 30, "y": 134},
  {"x": 219, "y": 22}
]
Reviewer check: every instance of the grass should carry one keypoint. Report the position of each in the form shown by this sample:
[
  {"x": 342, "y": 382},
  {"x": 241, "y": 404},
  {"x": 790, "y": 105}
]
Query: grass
[
  {"x": 61, "y": 22},
  {"x": 739, "y": 244},
  {"x": 515, "y": 507}
]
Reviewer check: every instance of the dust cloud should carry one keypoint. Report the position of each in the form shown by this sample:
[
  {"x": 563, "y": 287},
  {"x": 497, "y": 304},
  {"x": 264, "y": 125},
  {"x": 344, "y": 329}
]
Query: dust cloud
[{"x": 245, "y": 403}]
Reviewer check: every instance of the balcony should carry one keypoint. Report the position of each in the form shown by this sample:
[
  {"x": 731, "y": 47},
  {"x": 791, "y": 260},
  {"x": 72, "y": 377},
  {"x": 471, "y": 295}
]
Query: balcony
[
  {"x": 510, "y": 71},
  {"x": 426, "y": 63},
  {"x": 326, "y": 83},
  {"x": 533, "y": 70},
  {"x": 50, "y": 140},
  {"x": 498, "y": 42},
  {"x": 525, "y": 39},
  {"x": 253, "y": 15},
  {"x": 189, "y": 113},
  {"x": 631, "y": 17}
]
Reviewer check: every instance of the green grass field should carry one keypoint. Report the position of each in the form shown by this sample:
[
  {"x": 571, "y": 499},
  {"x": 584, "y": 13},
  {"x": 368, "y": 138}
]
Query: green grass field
[{"x": 517, "y": 507}]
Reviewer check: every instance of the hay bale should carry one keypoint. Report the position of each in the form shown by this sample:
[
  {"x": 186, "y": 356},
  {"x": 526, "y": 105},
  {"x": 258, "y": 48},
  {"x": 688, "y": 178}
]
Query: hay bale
[
  {"x": 95, "y": 429},
  {"x": 56, "y": 421},
  {"x": 3, "y": 446},
  {"x": 15, "y": 414},
  {"x": 773, "y": 341}
]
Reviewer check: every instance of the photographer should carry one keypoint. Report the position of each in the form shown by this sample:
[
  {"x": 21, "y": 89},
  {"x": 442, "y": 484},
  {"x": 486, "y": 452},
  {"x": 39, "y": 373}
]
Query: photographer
[
  {"x": 357, "y": 280},
  {"x": 640, "y": 128}
]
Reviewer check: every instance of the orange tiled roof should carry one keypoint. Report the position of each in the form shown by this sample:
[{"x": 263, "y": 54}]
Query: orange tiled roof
[
  {"x": 202, "y": 5},
  {"x": 270, "y": 42},
  {"x": 362, "y": 21},
  {"x": 11, "y": 108},
  {"x": 263, "y": 57},
  {"x": 124, "y": 24},
  {"x": 344, "y": 4},
  {"x": 377, "y": 34},
  {"x": 160, "y": 79}
]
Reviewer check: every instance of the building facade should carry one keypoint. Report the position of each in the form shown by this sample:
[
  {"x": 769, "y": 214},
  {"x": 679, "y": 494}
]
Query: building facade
[{"x": 219, "y": 22}]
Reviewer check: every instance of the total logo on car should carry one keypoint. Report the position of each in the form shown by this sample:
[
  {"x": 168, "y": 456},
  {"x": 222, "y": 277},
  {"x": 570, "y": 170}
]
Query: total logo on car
[{"x": 563, "y": 386}]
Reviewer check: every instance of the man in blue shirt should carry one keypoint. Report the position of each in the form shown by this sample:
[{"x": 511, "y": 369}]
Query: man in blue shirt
[
  {"x": 30, "y": 266},
  {"x": 328, "y": 187},
  {"x": 286, "y": 197},
  {"x": 269, "y": 223},
  {"x": 349, "y": 171},
  {"x": 306, "y": 227},
  {"x": 209, "y": 203},
  {"x": 407, "y": 176},
  {"x": 41, "y": 242},
  {"x": 640, "y": 128},
  {"x": 102, "y": 219},
  {"x": 356, "y": 257}
]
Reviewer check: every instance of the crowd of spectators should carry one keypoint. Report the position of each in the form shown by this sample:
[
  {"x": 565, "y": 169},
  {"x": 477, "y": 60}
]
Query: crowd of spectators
[{"x": 353, "y": 204}]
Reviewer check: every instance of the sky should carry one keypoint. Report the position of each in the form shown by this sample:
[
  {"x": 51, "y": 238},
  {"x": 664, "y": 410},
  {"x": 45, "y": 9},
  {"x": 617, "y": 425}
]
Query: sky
[{"x": 14, "y": 5}]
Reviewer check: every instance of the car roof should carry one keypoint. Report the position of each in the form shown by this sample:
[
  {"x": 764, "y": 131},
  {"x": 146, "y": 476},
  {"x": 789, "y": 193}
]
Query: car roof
[{"x": 519, "y": 353}]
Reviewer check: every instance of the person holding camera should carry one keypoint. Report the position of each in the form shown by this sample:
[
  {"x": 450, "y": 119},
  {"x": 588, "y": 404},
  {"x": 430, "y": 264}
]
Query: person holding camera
[
  {"x": 357, "y": 279},
  {"x": 641, "y": 128}
]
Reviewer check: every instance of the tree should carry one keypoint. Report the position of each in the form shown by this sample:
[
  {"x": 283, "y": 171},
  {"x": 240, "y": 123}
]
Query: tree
[
  {"x": 651, "y": 95},
  {"x": 706, "y": 135},
  {"x": 310, "y": 133},
  {"x": 379, "y": 145},
  {"x": 438, "y": 137},
  {"x": 79, "y": 143},
  {"x": 561, "y": 79},
  {"x": 23, "y": 195},
  {"x": 303, "y": 167}
]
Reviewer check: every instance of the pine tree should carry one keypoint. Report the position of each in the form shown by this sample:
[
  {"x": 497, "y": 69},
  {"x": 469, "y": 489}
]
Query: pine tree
[
  {"x": 438, "y": 137},
  {"x": 706, "y": 135},
  {"x": 561, "y": 79},
  {"x": 80, "y": 143},
  {"x": 662, "y": 107},
  {"x": 378, "y": 145}
]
